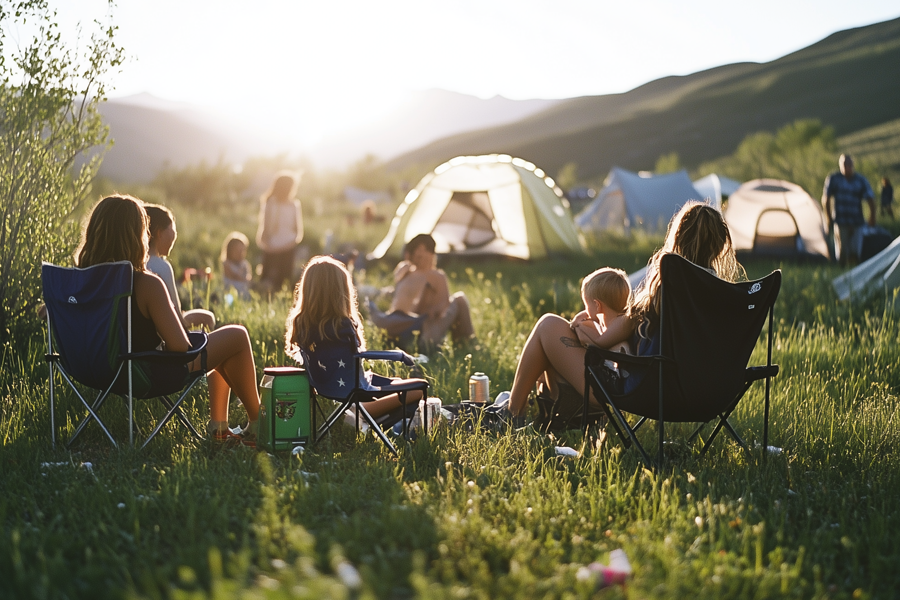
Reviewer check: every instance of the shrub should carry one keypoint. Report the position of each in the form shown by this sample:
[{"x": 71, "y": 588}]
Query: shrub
[{"x": 49, "y": 93}]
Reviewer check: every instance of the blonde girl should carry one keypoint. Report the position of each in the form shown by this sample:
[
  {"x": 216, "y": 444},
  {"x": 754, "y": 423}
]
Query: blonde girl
[{"x": 324, "y": 321}]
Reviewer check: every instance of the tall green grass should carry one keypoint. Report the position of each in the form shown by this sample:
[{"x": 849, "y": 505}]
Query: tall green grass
[{"x": 476, "y": 514}]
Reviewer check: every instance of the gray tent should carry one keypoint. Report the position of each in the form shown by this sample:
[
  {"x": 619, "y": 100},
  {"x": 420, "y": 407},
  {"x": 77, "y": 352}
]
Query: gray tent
[
  {"x": 774, "y": 217},
  {"x": 637, "y": 200}
]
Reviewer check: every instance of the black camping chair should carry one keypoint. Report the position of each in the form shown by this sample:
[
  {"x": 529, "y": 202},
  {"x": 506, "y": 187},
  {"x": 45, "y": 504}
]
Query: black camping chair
[
  {"x": 89, "y": 342},
  {"x": 707, "y": 331},
  {"x": 342, "y": 386}
]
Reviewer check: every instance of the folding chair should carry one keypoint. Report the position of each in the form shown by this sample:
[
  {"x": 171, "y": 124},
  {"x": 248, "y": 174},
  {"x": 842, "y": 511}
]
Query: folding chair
[
  {"x": 698, "y": 371},
  {"x": 342, "y": 386},
  {"x": 89, "y": 341}
]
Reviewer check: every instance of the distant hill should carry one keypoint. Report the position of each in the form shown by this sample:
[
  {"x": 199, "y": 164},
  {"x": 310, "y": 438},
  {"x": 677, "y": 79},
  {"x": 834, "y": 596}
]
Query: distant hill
[
  {"x": 848, "y": 80},
  {"x": 427, "y": 116},
  {"x": 151, "y": 132}
]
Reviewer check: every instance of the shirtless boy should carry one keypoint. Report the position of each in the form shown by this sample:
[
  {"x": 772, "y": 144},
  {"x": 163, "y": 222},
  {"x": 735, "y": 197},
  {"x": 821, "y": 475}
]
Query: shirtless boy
[{"x": 421, "y": 292}]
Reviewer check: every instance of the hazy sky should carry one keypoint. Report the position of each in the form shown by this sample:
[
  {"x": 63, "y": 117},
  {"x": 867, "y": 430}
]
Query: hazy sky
[{"x": 307, "y": 68}]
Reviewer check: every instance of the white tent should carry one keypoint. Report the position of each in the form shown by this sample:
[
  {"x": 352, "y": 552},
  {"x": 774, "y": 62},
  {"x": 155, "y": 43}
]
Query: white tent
[
  {"x": 880, "y": 272},
  {"x": 774, "y": 217},
  {"x": 714, "y": 187},
  {"x": 492, "y": 204},
  {"x": 637, "y": 200}
]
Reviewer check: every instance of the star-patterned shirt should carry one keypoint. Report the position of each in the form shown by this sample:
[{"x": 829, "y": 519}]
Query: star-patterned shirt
[{"x": 329, "y": 360}]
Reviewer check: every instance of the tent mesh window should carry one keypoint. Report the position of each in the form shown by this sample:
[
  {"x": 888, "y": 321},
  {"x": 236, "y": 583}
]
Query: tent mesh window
[{"x": 468, "y": 218}]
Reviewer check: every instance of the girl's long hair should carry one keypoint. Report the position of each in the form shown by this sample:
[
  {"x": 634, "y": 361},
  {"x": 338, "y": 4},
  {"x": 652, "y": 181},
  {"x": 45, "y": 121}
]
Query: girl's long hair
[
  {"x": 697, "y": 232},
  {"x": 284, "y": 187},
  {"x": 323, "y": 298},
  {"x": 118, "y": 229}
]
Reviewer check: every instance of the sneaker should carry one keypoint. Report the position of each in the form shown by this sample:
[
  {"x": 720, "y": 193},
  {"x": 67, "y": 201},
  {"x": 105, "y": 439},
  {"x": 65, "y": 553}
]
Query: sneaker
[
  {"x": 234, "y": 437},
  {"x": 502, "y": 399}
]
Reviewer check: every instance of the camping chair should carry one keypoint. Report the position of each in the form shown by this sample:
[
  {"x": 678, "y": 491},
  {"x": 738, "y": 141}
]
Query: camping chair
[
  {"x": 707, "y": 331},
  {"x": 338, "y": 388},
  {"x": 89, "y": 342}
]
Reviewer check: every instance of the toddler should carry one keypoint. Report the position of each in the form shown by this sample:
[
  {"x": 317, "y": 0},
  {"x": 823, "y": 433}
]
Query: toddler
[
  {"x": 236, "y": 269},
  {"x": 606, "y": 294}
]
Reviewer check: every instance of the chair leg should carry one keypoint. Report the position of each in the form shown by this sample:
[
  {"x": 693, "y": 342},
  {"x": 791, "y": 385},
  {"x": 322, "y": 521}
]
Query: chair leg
[
  {"x": 332, "y": 419},
  {"x": 52, "y": 410},
  {"x": 362, "y": 411},
  {"x": 98, "y": 402}
]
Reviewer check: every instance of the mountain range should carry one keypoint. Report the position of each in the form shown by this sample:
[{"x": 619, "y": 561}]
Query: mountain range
[{"x": 847, "y": 80}]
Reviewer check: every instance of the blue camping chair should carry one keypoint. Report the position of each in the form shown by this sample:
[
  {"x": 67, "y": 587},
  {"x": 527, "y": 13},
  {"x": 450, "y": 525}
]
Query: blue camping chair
[
  {"x": 89, "y": 342},
  {"x": 336, "y": 376}
]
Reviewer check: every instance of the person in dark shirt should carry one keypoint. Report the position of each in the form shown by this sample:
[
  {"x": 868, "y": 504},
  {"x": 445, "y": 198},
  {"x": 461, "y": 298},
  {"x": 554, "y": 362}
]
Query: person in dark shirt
[{"x": 842, "y": 201}]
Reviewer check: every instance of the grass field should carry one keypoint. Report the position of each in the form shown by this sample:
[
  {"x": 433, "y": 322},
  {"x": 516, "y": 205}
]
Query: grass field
[{"x": 476, "y": 515}]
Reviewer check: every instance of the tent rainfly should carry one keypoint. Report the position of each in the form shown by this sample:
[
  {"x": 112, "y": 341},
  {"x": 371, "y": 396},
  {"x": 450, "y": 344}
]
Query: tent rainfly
[
  {"x": 492, "y": 204},
  {"x": 881, "y": 272},
  {"x": 714, "y": 187},
  {"x": 632, "y": 199},
  {"x": 774, "y": 217}
]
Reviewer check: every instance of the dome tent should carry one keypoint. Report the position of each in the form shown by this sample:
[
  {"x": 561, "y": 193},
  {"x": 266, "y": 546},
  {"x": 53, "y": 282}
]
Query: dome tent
[
  {"x": 774, "y": 217},
  {"x": 637, "y": 199},
  {"x": 492, "y": 204}
]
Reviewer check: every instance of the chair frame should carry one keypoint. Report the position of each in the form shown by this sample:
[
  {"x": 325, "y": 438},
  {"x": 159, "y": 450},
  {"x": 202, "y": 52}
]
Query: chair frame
[
  {"x": 125, "y": 362},
  {"x": 358, "y": 395},
  {"x": 593, "y": 363}
]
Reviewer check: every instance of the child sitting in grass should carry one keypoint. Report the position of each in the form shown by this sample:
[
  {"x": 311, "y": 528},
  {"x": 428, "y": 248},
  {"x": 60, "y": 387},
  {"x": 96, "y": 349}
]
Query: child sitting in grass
[
  {"x": 236, "y": 269},
  {"x": 606, "y": 294}
]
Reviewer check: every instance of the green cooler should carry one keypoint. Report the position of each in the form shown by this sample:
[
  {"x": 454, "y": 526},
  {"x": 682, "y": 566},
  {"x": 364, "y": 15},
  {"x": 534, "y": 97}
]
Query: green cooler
[{"x": 284, "y": 411}]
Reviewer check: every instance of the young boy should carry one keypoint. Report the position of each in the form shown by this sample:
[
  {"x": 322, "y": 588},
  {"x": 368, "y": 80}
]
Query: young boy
[{"x": 606, "y": 294}]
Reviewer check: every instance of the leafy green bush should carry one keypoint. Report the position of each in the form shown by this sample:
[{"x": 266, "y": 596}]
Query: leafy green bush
[{"x": 49, "y": 94}]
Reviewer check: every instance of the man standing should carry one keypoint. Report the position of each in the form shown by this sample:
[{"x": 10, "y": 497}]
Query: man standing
[{"x": 842, "y": 201}]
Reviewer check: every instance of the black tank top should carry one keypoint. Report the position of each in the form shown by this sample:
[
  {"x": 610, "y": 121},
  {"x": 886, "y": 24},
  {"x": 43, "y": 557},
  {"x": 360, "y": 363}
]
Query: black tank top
[{"x": 143, "y": 331}]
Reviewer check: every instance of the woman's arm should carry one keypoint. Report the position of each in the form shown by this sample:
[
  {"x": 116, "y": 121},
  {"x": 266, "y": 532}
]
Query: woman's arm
[
  {"x": 153, "y": 302},
  {"x": 619, "y": 329}
]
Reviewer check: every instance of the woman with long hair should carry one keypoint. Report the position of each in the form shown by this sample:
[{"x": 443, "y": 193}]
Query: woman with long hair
[
  {"x": 280, "y": 230},
  {"x": 118, "y": 229},
  {"x": 698, "y": 232}
]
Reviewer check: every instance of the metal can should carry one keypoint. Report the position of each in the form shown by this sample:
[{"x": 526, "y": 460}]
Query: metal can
[{"x": 479, "y": 388}]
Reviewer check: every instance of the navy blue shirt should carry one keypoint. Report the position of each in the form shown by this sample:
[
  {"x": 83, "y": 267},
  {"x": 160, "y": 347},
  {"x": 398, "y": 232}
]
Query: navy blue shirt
[
  {"x": 329, "y": 359},
  {"x": 848, "y": 193}
]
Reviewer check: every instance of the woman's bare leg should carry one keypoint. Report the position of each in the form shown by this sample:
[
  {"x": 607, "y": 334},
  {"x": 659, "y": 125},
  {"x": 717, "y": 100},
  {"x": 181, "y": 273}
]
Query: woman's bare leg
[
  {"x": 229, "y": 353},
  {"x": 552, "y": 350}
]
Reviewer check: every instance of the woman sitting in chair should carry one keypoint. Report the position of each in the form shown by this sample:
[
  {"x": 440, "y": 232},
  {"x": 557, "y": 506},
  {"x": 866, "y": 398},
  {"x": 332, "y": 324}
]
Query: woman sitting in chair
[
  {"x": 118, "y": 230},
  {"x": 553, "y": 352},
  {"x": 325, "y": 322}
]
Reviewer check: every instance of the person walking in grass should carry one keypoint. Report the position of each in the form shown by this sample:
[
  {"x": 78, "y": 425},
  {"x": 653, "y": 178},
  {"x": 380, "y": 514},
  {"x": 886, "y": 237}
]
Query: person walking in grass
[{"x": 842, "y": 198}]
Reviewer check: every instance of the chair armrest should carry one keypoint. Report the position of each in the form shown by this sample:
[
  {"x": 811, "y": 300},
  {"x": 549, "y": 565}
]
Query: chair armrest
[
  {"x": 761, "y": 372},
  {"x": 393, "y": 355},
  {"x": 198, "y": 341},
  {"x": 595, "y": 355}
]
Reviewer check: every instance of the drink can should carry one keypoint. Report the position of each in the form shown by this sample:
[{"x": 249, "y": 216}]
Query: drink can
[{"x": 479, "y": 388}]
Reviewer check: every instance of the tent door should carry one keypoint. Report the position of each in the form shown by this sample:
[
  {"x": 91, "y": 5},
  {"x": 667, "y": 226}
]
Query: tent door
[
  {"x": 467, "y": 222},
  {"x": 777, "y": 233}
]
